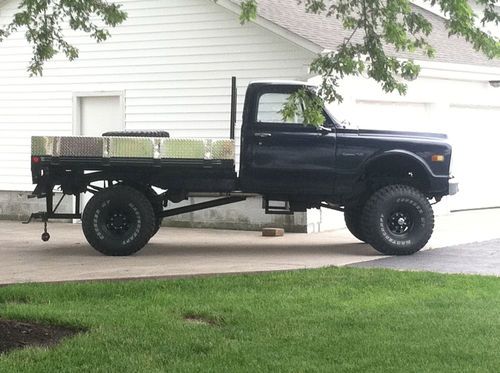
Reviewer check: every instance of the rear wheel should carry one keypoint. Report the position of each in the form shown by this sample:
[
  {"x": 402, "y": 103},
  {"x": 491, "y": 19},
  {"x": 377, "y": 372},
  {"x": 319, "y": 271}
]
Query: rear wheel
[
  {"x": 352, "y": 218},
  {"x": 157, "y": 208},
  {"x": 155, "y": 200},
  {"x": 397, "y": 220},
  {"x": 118, "y": 221}
]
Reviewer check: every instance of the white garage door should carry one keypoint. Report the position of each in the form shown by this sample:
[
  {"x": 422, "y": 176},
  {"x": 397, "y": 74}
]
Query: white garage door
[
  {"x": 475, "y": 135},
  {"x": 396, "y": 116}
]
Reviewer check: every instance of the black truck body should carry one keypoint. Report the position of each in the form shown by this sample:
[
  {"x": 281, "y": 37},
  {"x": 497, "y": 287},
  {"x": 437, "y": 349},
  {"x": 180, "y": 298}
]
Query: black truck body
[{"x": 381, "y": 180}]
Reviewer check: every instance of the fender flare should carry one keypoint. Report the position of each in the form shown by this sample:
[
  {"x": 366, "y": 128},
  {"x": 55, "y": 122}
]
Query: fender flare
[{"x": 396, "y": 152}]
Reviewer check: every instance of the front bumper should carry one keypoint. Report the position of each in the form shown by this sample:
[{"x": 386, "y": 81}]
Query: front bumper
[{"x": 453, "y": 187}]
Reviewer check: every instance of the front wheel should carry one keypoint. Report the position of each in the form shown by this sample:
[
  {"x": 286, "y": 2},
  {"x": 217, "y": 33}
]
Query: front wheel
[
  {"x": 352, "y": 218},
  {"x": 397, "y": 220},
  {"x": 118, "y": 221}
]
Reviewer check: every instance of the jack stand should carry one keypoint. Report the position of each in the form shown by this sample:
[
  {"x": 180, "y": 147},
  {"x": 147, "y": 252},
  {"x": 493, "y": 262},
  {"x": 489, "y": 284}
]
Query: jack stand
[{"x": 45, "y": 234}]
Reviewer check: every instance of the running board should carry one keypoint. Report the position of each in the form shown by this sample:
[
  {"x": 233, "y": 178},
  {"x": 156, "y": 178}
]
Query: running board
[{"x": 282, "y": 209}]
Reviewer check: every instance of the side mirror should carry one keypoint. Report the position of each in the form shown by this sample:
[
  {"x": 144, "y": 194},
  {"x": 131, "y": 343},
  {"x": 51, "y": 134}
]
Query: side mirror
[{"x": 345, "y": 123}]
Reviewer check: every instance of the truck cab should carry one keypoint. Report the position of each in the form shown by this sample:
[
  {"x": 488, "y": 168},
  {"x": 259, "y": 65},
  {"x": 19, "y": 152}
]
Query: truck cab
[
  {"x": 291, "y": 159},
  {"x": 284, "y": 158}
]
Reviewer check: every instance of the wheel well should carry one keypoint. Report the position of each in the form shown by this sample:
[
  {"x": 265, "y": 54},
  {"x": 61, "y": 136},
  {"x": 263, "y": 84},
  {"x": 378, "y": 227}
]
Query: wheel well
[{"x": 396, "y": 168}]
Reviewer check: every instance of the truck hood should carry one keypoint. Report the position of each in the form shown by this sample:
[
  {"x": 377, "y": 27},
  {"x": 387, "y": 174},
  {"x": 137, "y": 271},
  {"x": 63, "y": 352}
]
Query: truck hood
[{"x": 403, "y": 134}]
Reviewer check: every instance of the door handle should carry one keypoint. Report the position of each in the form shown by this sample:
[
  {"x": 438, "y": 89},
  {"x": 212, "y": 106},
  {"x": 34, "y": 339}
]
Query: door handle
[{"x": 262, "y": 134}]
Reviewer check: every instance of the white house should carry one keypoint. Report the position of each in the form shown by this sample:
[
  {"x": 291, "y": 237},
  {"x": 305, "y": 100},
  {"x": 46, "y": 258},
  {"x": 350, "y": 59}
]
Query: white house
[{"x": 169, "y": 67}]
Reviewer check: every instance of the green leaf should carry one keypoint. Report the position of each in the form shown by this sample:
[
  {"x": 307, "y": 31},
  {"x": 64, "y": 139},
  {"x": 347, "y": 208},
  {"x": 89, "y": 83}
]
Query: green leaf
[
  {"x": 43, "y": 22},
  {"x": 377, "y": 26},
  {"x": 307, "y": 104},
  {"x": 248, "y": 10}
]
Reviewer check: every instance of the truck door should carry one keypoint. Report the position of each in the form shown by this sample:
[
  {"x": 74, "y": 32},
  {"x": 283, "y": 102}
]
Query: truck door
[{"x": 285, "y": 157}]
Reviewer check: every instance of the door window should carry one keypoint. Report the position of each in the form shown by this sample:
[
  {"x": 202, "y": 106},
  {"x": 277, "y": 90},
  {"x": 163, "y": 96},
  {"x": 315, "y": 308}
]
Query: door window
[{"x": 270, "y": 106}]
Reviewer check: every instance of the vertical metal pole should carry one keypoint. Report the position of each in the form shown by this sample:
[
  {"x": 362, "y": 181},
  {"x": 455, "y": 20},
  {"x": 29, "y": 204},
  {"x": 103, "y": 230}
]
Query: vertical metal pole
[
  {"x": 234, "y": 106},
  {"x": 50, "y": 202},
  {"x": 77, "y": 204}
]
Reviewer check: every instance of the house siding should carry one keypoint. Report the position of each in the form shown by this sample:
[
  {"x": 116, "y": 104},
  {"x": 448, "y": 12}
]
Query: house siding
[{"x": 172, "y": 58}]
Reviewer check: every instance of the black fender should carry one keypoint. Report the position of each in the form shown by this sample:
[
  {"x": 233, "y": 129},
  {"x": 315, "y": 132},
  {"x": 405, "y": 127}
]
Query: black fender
[{"x": 402, "y": 154}]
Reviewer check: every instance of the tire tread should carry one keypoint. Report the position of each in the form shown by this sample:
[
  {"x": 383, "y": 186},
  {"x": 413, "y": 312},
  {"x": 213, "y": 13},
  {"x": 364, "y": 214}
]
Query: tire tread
[
  {"x": 144, "y": 205},
  {"x": 369, "y": 217},
  {"x": 353, "y": 221}
]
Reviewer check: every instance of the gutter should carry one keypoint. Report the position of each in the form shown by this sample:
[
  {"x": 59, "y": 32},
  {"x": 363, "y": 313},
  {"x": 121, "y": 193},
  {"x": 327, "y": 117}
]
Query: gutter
[{"x": 458, "y": 71}]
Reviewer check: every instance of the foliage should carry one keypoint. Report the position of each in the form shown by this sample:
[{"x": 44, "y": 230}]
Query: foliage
[
  {"x": 248, "y": 11},
  {"x": 376, "y": 25},
  {"x": 308, "y": 104},
  {"x": 43, "y": 22}
]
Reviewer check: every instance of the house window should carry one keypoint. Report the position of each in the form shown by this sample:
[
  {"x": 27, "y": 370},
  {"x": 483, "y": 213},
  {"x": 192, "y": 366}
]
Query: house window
[{"x": 270, "y": 106}]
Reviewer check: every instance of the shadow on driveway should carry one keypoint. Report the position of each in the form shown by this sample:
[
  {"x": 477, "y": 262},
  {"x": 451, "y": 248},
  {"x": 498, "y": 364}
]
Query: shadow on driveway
[{"x": 481, "y": 258}]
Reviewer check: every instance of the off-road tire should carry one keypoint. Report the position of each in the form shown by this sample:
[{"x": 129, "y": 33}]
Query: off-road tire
[
  {"x": 352, "y": 218},
  {"x": 157, "y": 208},
  {"x": 118, "y": 221},
  {"x": 155, "y": 202},
  {"x": 384, "y": 214}
]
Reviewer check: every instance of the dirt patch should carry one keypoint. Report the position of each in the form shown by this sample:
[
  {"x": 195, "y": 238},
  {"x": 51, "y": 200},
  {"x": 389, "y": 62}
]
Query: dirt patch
[
  {"x": 201, "y": 320},
  {"x": 15, "y": 334}
]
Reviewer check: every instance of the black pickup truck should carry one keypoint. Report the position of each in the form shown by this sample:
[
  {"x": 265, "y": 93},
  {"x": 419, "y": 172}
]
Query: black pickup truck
[{"x": 383, "y": 181}]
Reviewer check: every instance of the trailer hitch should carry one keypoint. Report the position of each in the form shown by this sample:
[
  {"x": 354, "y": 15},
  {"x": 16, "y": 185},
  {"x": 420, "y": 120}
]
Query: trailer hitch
[
  {"x": 45, "y": 234},
  {"x": 45, "y": 220},
  {"x": 43, "y": 216},
  {"x": 51, "y": 213}
]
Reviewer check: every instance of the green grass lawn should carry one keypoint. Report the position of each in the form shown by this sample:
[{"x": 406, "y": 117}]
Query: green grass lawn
[{"x": 320, "y": 320}]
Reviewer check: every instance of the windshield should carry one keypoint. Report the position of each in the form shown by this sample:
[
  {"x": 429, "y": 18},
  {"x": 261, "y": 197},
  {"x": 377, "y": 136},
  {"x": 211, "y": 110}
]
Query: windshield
[
  {"x": 331, "y": 120},
  {"x": 336, "y": 122}
]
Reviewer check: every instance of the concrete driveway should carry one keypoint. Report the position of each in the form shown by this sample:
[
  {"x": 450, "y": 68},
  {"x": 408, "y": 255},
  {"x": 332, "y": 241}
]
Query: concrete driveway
[
  {"x": 480, "y": 258},
  {"x": 185, "y": 252}
]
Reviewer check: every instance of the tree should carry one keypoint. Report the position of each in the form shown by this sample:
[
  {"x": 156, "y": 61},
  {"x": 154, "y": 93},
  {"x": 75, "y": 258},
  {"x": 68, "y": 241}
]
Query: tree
[
  {"x": 376, "y": 23},
  {"x": 43, "y": 22},
  {"x": 379, "y": 23}
]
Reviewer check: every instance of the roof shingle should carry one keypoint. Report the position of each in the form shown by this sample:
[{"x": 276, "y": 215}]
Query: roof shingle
[{"x": 328, "y": 33}]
